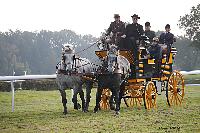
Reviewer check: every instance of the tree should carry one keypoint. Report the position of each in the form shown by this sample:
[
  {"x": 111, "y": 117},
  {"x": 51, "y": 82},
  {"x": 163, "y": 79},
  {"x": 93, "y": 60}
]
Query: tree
[
  {"x": 191, "y": 24},
  {"x": 187, "y": 57},
  {"x": 38, "y": 52}
]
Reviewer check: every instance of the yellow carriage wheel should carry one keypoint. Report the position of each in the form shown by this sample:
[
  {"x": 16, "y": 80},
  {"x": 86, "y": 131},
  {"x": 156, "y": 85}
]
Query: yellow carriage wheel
[
  {"x": 133, "y": 98},
  {"x": 150, "y": 96},
  {"x": 175, "y": 89},
  {"x": 105, "y": 97}
]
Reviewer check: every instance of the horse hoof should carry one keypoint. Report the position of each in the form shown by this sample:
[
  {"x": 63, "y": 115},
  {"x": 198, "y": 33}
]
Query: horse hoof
[
  {"x": 78, "y": 106},
  {"x": 86, "y": 108},
  {"x": 85, "y": 111},
  {"x": 112, "y": 107},
  {"x": 75, "y": 107},
  {"x": 117, "y": 112},
  {"x": 65, "y": 112},
  {"x": 95, "y": 110}
]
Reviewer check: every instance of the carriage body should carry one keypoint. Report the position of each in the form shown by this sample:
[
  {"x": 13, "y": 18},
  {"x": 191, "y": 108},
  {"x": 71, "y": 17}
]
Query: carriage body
[{"x": 145, "y": 86}]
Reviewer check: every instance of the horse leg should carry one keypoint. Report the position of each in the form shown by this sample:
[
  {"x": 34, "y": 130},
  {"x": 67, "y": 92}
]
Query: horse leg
[
  {"x": 74, "y": 99},
  {"x": 89, "y": 86},
  {"x": 81, "y": 93},
  {"x": 98, "y": 99},
  {"x": 64, "y": 100},
  {"x": 111, "y": 102},
  {"x": 115, "y": 91},
  {"x": 121, "y": 92}
]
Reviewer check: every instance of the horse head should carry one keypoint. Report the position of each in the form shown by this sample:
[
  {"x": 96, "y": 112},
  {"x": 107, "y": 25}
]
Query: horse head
[
  {"x": 105, "y": 41},
  {"x": 68, "y": 51},
  {"x": 112, "y": 59},
  {"x": 68, "y": 48}
]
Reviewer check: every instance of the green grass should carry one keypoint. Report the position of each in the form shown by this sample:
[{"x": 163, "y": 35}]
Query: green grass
[
  {"x": 192, "y": 79},
  {"x": 41, "y": 111}
]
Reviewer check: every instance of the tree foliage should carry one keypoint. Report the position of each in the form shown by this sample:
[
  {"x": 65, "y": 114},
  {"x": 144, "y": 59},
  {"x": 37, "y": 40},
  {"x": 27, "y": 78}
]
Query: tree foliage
[
  {"x": 191, "y": 24},
  {"x": 37, "y": 52}
]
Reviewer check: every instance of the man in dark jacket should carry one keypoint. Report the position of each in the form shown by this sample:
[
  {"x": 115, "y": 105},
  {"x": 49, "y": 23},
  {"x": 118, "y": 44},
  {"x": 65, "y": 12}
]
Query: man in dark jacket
[
  {"x": 156, "y": 53},
  {"x": 148, "y": 32},
  {"x": 117, "y": 29},
  {"x": 133, "y": 33},
  {"x": 167, "y": 38}
]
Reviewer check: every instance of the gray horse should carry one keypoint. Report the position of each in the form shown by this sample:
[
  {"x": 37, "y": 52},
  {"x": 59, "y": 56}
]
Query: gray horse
[
  {"x": 115, "y": 68},
  {"x": 72, "y": 73}
]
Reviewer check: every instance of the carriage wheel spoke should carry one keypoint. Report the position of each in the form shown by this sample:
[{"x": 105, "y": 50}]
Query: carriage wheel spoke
[
  {"x": 171, "y": 99},
  {"x": 178, "y": 99},
  {"x": 175, "y": 89},
  {"x": 148, "y": 104},
  {"x": 150, "y": 95},
  {"x": 181, "y": 95}
]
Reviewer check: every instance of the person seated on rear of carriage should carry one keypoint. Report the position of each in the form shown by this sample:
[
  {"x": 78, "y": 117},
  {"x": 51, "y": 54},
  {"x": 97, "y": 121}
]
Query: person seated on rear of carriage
[
  {"x": 148, "y": 32},
  {"x": 167, "y": 39},
  {"x": 132, "y": 36},
  {"x": 155, "y": 52},
  {"x": 117, "y": 29}
]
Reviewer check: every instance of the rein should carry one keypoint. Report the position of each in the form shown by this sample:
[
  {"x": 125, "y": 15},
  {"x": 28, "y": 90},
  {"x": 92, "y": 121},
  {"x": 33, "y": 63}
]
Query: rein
[{"x": 87, "y": 47}]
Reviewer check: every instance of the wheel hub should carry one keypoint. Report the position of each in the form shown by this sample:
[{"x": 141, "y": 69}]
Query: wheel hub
[
  {"x": 178, "y": 90},
  {"x": 153, "y": 96}
]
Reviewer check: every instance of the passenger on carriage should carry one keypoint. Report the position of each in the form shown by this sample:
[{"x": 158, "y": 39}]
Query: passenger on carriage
[
  {"x": 167, "y": 40},
  {"x": 133, "y": 33},
  {"x": 148, "y": 32},
  {"x": 117, "y": 29},
  {"x": 132, "y": 36},
  {"x": 147, "y": 38},
  {"x": 155, "y": 52},
  {"x": 155, "y": 49}
]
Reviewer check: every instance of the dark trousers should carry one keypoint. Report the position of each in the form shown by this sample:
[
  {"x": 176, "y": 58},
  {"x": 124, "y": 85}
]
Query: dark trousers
[
  {"x": 168, "y": 51},
  {"x": 130, "y": 44},
  {"x": 157, "y": 67}
]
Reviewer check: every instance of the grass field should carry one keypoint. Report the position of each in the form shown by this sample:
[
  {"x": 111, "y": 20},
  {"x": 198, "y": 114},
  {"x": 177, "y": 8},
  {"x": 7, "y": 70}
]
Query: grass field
[
  {"x": 41, "y": 111},
  {"x": 192, "y": 79}
]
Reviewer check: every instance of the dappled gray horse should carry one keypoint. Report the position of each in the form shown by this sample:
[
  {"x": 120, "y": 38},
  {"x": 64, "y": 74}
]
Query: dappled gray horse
[
  {"x": 114, "y": 69},
  {"x": 71, "y": 72}
]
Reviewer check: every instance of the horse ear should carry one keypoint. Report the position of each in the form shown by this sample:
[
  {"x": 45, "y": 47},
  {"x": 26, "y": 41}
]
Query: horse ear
[
  {"x": 74, "y": 46},
  {"x": 62, "y": 46}
]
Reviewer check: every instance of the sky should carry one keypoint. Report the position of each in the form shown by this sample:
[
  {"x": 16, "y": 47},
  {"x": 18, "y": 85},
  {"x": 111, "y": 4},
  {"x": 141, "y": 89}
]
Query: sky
[{"x": 90, "y": 16}]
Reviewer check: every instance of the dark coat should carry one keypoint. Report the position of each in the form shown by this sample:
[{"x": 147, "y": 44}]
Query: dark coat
[
  {"x": 150, "y": 34},
  {"x": 155, "y": 51},
  {"x": 133, "y": 33},
  {"x": 134, "y": 30},
  {"x": 166, "y": 38},
  {"x": 116, "y": 28}
]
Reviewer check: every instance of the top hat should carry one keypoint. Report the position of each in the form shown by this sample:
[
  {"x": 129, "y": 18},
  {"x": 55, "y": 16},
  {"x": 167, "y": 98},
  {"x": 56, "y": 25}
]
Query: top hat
[
  {"x": 116, "y": 16},
  {"x": 135, "y": 16}
]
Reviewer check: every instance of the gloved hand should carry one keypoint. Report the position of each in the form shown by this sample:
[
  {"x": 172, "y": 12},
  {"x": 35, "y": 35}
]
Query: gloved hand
[
  {"x": 123, "y": 36},
  {"x": 137, "y": 42}
]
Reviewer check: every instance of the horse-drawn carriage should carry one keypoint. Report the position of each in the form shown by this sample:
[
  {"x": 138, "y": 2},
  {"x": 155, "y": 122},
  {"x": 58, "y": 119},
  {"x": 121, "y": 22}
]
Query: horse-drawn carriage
[
  {"x": 115, "y": 79},
  {"x": 146, "y": 85}
]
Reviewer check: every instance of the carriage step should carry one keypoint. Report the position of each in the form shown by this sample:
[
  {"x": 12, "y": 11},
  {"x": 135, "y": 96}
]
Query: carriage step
[
  {"x": 132, "y": 96},
  {"x": 136, "y": 87},
  {"x": 135, "y": 80}
]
